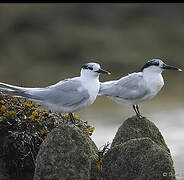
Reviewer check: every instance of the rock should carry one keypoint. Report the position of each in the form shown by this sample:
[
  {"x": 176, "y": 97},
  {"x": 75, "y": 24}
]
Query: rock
[
  {"x": 138, "y": 152},
  {"x": 134, "y": 128},
  {"x": 23, "y": 127},
  {"x": 3, "y": 171},
  {"x": 67, "y": 153}
]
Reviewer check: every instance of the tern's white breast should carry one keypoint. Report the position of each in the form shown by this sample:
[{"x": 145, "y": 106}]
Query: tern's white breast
[
  {"x": 154, "y": 82},
  {"x": 92, "y": 86}
]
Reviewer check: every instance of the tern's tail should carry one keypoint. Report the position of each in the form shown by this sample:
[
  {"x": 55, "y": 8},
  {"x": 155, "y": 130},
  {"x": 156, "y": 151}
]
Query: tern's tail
[
  {"x": 105, "y": 88},
  {"x": 14, "y": 90}
]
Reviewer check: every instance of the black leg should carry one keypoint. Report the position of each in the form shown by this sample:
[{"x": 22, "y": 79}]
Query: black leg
[
  {"x": 138, "y": 113},
  {"x": 140, "y": 116},
  {"x": 72, "y": 118},
  {"x": 136, "y": 109}
]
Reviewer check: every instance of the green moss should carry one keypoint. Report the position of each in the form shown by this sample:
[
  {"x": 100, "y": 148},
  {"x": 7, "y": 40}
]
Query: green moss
[{"x": 138, "y": 152}]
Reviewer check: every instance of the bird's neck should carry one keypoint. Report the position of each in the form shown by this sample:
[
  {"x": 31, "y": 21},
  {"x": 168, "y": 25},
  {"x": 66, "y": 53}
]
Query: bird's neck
[
  {"x": 151, "y": 75},
  {"x": 152, "y": 70},
  {"x": 154, "y": 80},
  {"x": 90, "y": 79},
  {"x": 89, "y": 76},
  {"x": 91, "y": 83}
]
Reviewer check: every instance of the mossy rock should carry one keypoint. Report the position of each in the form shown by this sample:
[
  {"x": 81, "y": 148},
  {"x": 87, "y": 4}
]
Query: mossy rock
[
  {"x": 138, "y": 152},
  {"x": 134, "y": 128},
  {"x": 138, "y": 159},
  {"x": 67, "y": 153}
]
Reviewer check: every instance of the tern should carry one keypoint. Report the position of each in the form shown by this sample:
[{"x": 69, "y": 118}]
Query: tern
[
  {"x": 137, "y": 87},
  {"x": 66, "y": 96}
]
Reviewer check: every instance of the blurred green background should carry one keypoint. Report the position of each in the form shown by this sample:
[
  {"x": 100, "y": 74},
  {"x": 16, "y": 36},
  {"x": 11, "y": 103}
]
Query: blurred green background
[{"x": 41, "y": 44}]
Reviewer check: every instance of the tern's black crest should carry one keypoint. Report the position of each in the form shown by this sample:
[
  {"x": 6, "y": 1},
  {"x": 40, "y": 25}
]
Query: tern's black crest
[
  {"x": 87, "y": 66},
  {"x": 153, "y": 62}
]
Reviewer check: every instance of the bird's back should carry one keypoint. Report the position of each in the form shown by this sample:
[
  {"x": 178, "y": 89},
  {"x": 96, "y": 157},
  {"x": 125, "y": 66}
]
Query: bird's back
[
  {"x": 64, "y": 96},
  {"x": 127, "y": 90}
]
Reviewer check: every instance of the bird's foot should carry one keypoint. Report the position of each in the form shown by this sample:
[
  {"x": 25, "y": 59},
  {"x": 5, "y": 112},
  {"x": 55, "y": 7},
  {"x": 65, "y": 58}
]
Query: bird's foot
[
  {"x": 140, "y": 116},
  {"x": 73, "y": 118}
]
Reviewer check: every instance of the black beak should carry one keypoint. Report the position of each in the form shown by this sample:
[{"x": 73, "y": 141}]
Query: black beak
[
  {"x": 103, "y": 71},
  {"x": 165, "y": 66}
]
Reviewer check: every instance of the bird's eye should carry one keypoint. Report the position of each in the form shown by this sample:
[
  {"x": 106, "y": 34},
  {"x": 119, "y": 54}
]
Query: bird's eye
[
  {"x": 85, "y": 66},
  {"x": 90, "y": 68},
  {"x": 156, "y": 63}
]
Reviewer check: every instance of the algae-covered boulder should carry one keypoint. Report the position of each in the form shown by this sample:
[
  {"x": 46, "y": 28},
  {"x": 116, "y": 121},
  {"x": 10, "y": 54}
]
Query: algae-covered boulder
[
  {"x": 67, "y": 153},
  {"x": 138, "y": 152},
  {"x": 134, "y": 128},
  {"x": 23, "y": 127}
]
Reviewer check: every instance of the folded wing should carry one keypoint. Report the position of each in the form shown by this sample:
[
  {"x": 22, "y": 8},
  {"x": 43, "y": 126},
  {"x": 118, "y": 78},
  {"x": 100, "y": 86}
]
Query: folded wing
[
  {"x": 130, "y": 87},
  {"x": 65, "y": 93}
]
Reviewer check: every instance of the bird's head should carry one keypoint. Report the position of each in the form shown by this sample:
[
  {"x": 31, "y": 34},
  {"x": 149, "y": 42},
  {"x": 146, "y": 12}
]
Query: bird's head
[
  {"x": 157, "y": 65},
  {"x": 92, "y": 69}
]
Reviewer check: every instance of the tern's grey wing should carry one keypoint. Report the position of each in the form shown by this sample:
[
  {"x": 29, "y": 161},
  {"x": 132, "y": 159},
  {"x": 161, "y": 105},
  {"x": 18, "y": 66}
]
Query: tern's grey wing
[
  {"x": 65, "y": 93},
  {"x": 129, "y": 87}
]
